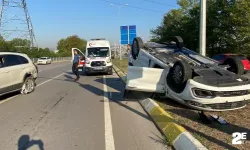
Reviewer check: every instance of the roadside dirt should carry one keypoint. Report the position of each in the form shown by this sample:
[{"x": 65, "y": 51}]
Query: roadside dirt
[{"x": 214, "y": 136}]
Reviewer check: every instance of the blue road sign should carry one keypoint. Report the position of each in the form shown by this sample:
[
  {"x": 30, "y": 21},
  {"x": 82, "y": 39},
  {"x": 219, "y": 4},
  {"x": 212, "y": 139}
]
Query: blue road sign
[
  {"x": 128, "y": 33},
  {"x": 124, "y": 35},
  {"x": 132, "y": 33}
]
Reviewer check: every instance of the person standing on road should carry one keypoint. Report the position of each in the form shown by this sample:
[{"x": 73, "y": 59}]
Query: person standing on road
[{"x": 75, "y": 64}]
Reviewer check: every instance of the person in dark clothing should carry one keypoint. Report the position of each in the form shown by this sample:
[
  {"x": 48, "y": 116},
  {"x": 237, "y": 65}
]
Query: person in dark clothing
[{"x": 75, "y": 65}]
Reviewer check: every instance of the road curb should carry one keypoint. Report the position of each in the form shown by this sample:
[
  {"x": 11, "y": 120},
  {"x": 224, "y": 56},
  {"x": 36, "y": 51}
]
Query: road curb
[
  {"x": 120, "y": 73},
  {"x": 177, "y": 136}
]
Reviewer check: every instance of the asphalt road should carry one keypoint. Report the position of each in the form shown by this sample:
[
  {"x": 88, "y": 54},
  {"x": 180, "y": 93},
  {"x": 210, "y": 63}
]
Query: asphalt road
[{"x": 65, "y": 115}]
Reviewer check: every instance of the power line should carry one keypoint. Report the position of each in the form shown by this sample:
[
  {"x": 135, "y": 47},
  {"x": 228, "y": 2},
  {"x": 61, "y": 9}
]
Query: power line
[
  {"x": 133, "y": 6},
  {"x": 160, "y": 3}
]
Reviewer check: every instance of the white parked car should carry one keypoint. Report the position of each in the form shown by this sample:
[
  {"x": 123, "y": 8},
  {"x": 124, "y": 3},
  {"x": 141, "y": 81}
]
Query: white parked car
[
  {"x": 17, "y": 73},
  {"x": 44, "y": 60},
  {"x": 187, "y": 77}
]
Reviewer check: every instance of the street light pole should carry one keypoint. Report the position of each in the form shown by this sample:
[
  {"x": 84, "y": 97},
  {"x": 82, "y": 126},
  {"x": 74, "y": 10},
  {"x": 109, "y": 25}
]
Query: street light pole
[
  {"x": 119, "y": 11},
  {"x": 202, "y": 42}
]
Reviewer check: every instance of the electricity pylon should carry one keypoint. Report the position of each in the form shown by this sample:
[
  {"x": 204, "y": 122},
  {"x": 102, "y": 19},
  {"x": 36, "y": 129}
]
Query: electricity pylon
[{"x": 15, "y": 21}]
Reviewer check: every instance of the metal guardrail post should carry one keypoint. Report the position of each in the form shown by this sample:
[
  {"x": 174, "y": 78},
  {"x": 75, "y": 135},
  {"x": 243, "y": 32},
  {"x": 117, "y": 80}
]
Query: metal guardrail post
[{"x": 34, "y": 60}]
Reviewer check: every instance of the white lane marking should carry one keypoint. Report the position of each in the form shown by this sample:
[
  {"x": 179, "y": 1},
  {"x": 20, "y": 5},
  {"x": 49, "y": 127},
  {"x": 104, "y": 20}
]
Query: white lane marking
[
  {"x": 3, "y": 101},
  {"x": 109, "y": 139},
  {"x": 50, "y": 79}
]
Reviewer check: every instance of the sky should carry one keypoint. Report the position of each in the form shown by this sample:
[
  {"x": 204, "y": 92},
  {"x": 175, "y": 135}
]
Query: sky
[{"x": 56, "y": 19}]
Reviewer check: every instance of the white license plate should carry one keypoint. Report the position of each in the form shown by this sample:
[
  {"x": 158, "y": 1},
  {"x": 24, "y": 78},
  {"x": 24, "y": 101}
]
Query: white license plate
[
  {"x": 98, "y": 68},
  {"x": 79, "y": 69}
]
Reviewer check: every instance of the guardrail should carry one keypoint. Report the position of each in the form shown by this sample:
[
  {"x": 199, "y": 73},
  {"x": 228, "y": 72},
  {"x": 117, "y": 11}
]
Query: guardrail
[{"x": 54, "y": 59}]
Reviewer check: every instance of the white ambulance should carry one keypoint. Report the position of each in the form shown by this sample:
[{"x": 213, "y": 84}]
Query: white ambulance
[{"x": 97, "y": 57}]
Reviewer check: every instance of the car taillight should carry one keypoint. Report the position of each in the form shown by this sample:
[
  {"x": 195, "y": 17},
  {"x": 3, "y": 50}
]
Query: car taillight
[{"x": 82, "y": 62}]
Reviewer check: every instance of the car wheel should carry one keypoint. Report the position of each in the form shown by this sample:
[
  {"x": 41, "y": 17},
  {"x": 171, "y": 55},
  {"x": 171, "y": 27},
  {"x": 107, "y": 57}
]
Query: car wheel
[
  {"x": 28, "y": 86},
  {"x": 136, "y": 46},
  {"x": 87, "y": 73},
  {"x": 130, "y": 64},
  {"x": 235, "y": 65},
  {"x": 179, "y": 42},
  {"x": 178, "y": 76},
  {"x": 110, "y": 72}
]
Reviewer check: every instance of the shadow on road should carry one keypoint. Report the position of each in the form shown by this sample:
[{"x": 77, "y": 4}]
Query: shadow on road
[
  {"x": 159, "y": 139},
  {"x": 24, "y": 143},
  {"x": 114, "y": 97},
  {"x": 4, "y": 97}
]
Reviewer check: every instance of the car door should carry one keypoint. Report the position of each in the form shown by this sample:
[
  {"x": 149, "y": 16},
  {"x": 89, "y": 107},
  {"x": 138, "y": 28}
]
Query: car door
[
  {"x": 5, "y": 77},
  {"x": 16, "y": 67},
  {"x": 142, "y": 59},
  {"x": 146, "y": 79},
  {"x": 82, "y": 62},
  {"x": 49, "y": 60}
]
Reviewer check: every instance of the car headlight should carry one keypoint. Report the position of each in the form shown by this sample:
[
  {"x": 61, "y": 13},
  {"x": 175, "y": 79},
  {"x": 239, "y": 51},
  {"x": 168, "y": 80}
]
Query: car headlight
[
  {"x": 203, "y": 93},
  {"x": 87, "y": 61},
  {"x": 109, "y": 60}
]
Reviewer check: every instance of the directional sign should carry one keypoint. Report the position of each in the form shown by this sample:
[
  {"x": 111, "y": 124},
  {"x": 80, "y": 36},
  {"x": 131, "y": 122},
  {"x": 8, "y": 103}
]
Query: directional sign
[
  {"x": 132, "y": 33},
  {"x": 128, "y": 33},
  {"x": 124, "y": 35}
]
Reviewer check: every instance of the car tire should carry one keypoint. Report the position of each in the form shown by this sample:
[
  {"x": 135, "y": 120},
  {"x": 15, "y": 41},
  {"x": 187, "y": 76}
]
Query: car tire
[
  {"x": 235, "y": 64},
  {"x": 178, "y": 76},
  {"x": 28, "y": 85},
  {"x": 130, "y": 64},
  {"x": 110, "y": 72},
  {"x": 136, "y": 46},
  {"x": 179, "y": 42},
  {"x": 87, "y": 73}
]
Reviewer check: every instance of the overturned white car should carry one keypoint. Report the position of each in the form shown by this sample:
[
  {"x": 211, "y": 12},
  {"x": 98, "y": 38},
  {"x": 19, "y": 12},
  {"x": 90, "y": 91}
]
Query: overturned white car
[{"x": 187, "y": 77}]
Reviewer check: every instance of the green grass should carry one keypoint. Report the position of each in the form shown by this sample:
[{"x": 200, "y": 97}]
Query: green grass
[{"x": 121, "y": 64}]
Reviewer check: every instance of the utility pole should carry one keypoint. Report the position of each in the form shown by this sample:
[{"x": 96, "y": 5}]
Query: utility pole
[
  {"x": 119, "y": 11},
  {"x": 202, "y": 41},
  {"x": 17, "y": 25}
]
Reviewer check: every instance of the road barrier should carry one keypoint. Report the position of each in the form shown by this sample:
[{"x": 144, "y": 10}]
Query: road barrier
[
  {"x": 54, "y": 59},
  {"x": 177, "y": 136}
]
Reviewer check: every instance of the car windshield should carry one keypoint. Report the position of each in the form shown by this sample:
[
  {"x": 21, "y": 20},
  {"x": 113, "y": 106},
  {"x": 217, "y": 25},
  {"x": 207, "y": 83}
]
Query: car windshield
[
  {"x": 98, "y": 52},
  {"x": 197, "y": 57},
  {"x": 43, "y": 58}
]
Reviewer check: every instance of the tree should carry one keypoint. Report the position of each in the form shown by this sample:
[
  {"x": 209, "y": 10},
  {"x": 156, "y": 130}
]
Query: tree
[
  {"x": 3, "y": 44},
  {"x": 65, "y": 45},
  {"x": 22, "y": 46},
  {"x": 228, "y": 26},
  {"x": 18, "y": 42}
]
